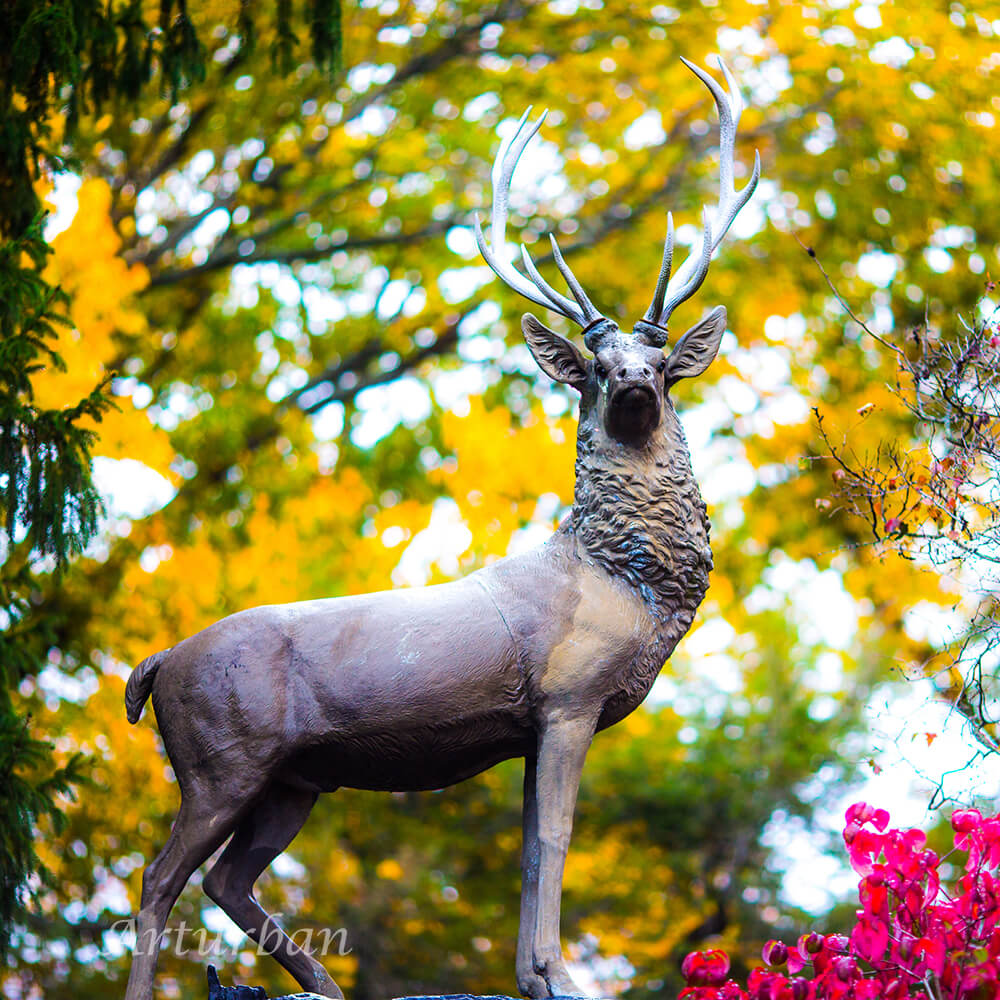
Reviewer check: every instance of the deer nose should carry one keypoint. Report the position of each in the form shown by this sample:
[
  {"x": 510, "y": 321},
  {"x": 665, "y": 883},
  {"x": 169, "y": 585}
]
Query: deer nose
[{"x": 642, "y": 371}]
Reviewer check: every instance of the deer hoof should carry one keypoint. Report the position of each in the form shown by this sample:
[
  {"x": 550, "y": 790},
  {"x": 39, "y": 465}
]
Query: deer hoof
[
  {"x": 532, "y": 986},
  {"x": 557, "y": 978}
]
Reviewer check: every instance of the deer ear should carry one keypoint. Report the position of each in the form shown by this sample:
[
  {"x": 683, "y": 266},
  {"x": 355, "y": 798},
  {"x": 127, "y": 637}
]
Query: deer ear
[
  {"x": 697, "y": 349},
  {"x": 558, "y": 357}
]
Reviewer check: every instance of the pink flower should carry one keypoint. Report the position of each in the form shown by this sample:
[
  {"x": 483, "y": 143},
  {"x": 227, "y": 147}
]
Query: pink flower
[
  {"x": 705, "y": 968},
  {"x": 845, "y": 968},
  {"x": 801, "y": 989},
  {"x": 966, "y": 820},
  {"x": 775, "y": 953},
  {"x": 810, "y": 943},
  {"x": 870, "y": 939},
  {"x": 731, "y": 991},
  {"x": 908, "y": 934},
  {"x": 933, "y": 952},
  {"x": 766, "y": 985}
]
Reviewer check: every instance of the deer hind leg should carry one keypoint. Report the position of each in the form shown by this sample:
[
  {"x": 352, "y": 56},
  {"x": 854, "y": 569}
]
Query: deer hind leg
[
  {"x": 202, "y": 824},
  {"x": 564, "y": 745},
  {"x": 528, "y": 981},
  {"x": 261, "y": 836}
]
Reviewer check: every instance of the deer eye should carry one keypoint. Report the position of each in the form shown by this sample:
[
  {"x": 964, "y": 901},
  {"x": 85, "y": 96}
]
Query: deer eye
[
  {"x": 599, "y": 370},
  {"x": 662, "y": 366}
]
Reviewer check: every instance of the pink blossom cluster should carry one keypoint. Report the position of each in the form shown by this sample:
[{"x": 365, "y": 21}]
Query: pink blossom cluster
[{"x": 912, "y": 938}]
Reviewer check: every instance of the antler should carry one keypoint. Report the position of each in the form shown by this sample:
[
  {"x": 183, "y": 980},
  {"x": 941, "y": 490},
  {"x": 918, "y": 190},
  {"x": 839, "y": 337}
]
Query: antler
[
  {"x": 670, "y": 292},
  {"x": 537, "y": 290}
]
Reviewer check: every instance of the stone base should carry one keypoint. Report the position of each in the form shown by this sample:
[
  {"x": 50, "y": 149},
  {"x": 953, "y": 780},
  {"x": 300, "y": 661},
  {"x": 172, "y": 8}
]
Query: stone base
[{"x": 219, "y": 992}]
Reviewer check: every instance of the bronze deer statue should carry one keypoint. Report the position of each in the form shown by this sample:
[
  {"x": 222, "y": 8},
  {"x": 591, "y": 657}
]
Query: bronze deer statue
[{"x": 423, "y": 688}]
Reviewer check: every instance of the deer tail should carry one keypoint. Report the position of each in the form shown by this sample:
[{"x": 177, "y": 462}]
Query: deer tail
[{"x": 140, "y": 683}]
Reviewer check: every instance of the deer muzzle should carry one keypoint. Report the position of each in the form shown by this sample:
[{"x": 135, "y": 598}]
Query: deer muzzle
[{"x": 633, "y": 408}]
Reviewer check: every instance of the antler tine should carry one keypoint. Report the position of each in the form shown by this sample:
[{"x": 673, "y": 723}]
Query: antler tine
[
  {"x": 692, "y": 272},
  {"x": 656, "y": 306},
  {"x": 556, "y": 300},
  {"x": 589, "y": 311},
  {"x": 503, "y": 171},
  {"x": 537, "y": 289},
  {"x": 559, "y": 302}
]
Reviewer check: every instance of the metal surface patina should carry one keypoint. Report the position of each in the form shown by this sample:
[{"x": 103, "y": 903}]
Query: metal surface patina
[{"x": 423, "y": 688}]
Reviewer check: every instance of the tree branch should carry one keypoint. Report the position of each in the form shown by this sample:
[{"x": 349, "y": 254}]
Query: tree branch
[{"x": 302, "y": 254}]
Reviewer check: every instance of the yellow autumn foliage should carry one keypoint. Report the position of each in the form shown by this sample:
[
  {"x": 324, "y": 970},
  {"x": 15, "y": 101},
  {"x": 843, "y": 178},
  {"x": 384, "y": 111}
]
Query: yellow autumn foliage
[
  {"x": 344, "y": 191},
  {"x": 501, "y": 468},
  {"x": 102, "y": 286}
]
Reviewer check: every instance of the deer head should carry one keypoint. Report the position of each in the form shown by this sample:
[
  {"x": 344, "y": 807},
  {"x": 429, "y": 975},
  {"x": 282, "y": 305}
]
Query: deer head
[{"x": 624, "y": 387}]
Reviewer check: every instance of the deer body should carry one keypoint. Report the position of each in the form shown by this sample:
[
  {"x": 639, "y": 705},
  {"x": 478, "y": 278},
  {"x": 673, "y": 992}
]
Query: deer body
[{"x": 420, "y": 689}]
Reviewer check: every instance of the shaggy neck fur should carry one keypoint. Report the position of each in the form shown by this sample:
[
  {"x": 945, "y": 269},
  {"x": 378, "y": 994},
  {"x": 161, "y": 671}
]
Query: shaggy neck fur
[{"x": 639, "y": 515}]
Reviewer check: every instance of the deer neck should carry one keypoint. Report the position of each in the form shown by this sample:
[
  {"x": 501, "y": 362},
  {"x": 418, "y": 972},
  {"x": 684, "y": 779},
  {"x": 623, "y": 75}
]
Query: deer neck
[{"x": 638, "y": 515}]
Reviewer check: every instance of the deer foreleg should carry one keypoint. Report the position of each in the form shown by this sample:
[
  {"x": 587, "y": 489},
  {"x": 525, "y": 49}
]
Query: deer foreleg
[
  {"x": 564, "y": 745},
  {"x": 528, "y": 981}
]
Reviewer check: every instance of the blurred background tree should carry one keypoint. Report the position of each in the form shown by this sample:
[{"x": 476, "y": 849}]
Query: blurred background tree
[
  {"x": 321, "y": 391},
  {"x": 61, "y": 59},
  {"x": 932, "y": 498}
]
